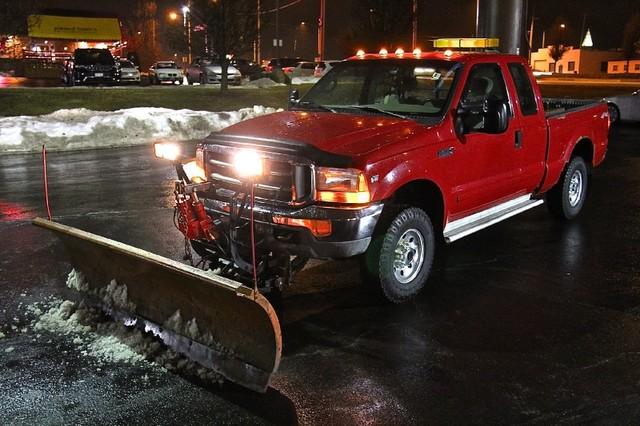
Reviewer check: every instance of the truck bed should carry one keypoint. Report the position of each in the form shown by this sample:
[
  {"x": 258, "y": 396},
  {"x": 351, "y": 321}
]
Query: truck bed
[
  {"x": 568, "y": 124},
  {"x": 559, "y": 106}
]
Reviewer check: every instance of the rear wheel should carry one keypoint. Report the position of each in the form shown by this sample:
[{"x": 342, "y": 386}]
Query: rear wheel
[
  {"x": 566, "y": 199},
  {"x": 614, "y": 113},
  {"x": 403, "y": 255}
]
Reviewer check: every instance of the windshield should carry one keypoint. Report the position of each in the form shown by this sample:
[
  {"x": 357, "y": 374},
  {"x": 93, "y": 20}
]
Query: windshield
[
  {"x": 126, "y": 64},
  {"x": 93, "y": 57},
  {"x": 411, "y": 88},
  {"x": 166, "y": 65}
]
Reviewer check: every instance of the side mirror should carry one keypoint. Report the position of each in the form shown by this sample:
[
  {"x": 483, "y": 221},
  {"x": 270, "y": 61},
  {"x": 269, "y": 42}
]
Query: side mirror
[
  {"x": 294, "y": 97},
  {"x": 496, "y": 116},
  {"x": 489, "y": 116}
]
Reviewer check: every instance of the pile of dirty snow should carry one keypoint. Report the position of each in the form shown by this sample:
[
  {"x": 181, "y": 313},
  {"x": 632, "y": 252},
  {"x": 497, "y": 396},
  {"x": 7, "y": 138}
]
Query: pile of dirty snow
[
  {"x": 262, "y": 83},
  {"x": 105, "y": 341},
  {"x": 80, "y": 128}
]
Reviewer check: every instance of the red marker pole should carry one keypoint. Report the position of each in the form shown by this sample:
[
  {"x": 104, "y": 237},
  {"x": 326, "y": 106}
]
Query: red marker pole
[{"x": 45, "y": 181}]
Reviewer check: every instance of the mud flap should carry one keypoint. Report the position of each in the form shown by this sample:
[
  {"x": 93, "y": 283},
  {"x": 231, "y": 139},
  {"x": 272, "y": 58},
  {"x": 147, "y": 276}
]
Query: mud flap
[{"x": 239, "y": 333}]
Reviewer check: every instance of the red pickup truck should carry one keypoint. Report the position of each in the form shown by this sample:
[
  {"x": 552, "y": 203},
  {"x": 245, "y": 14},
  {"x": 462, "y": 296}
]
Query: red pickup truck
[{"x": 383, "y": 157}]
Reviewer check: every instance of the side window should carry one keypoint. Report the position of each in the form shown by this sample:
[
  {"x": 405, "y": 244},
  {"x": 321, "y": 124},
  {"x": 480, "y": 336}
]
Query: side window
[
  {"x": 523, "y": 87},
  {"x": 485, "y": 81}
]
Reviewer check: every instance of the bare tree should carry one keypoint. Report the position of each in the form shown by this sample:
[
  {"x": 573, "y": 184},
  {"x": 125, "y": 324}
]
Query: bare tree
[
  {"x": 231, "y": 28},
  {"x": 631, "y": 37},
  {"x": 140, "y": 26},
  {"x": 560, "y": 37}
]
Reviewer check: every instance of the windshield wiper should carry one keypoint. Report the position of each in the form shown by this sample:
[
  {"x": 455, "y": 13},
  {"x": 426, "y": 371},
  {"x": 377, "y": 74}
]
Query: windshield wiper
[
  {"x": 313, "y": 105},
  {"x": 374, "y": 109}
]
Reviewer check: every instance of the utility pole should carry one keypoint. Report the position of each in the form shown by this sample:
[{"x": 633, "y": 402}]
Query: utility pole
[
  {"x": 278, "y": 28},
  {"x": 258, "y": 55},
  {"x": 321, "y": 31},
  {"x": 531, "y": 28},
  {"x": 414, "y": 38}
]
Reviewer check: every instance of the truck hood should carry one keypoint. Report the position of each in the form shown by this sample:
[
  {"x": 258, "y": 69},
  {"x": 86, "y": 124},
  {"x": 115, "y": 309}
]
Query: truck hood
[{"x": 345, "y": 134}]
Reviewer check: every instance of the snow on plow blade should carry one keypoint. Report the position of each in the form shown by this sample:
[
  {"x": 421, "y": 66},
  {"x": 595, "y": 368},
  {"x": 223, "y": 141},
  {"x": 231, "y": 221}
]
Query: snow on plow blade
[{"x": 238, "y": 331}]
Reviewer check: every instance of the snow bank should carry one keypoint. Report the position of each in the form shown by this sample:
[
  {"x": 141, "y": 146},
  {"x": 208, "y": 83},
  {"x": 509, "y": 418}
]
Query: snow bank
[
  {"x": 80, "y": 128},
  {"x": 262, "y": 83},
  {"x": 2, "y": 335},
  {"x": 304, "y": 80}
]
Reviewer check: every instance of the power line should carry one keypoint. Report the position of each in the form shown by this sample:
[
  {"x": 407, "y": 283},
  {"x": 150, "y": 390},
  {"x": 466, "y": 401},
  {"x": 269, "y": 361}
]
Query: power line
[{"x": 292, "y": 3}]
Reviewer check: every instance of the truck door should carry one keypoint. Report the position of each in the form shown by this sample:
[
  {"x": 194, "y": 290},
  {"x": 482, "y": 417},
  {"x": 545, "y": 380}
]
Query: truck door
[
  {"x": 530, "y": 141},
  {"x": 487, "y": 175}
]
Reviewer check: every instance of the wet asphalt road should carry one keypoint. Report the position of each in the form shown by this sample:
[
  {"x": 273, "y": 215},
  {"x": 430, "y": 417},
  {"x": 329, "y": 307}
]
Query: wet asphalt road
[{"x": 530, "y": 321}]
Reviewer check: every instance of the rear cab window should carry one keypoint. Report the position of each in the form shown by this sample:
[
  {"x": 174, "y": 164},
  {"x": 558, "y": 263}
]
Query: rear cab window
[{"x": 524, "y": 90}]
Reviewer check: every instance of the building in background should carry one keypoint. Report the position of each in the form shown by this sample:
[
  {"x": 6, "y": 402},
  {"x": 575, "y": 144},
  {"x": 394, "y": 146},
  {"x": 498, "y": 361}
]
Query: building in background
[
  {"x": 55, "y": 37},
  {"x": 631, "y": 66},
  {"x": 584, "y": 61}
]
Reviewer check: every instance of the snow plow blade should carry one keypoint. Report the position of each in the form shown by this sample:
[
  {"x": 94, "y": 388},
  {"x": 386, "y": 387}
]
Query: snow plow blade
[{"x": 238, "y": 331}]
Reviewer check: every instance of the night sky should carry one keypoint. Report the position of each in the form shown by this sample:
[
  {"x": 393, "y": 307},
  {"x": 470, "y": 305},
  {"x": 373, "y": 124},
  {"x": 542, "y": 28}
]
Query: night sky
[{"x": 606, "y": 19}]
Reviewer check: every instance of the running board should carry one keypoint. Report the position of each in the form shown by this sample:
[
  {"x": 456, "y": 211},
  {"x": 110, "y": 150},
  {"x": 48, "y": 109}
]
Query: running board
[{"x": 468, "y": 225}]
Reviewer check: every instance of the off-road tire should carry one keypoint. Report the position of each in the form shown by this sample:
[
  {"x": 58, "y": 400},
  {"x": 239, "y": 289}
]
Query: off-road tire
[
  {"x": 566, "y": 199},
  {"x": 410, "y": 224}
]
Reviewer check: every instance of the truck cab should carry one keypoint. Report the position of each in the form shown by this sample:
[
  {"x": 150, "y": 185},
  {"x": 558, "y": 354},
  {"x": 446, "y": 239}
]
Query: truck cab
[{"x": 383, "y": 157}]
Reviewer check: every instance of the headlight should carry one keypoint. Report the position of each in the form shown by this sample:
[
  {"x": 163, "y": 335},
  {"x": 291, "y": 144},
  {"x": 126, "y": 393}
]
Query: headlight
[
  {"x": 194, "y": 172},
  {"x": 341, "y": 186},
  {"x": 167, "y": 151},
  {"x": 248, "y": 164}
]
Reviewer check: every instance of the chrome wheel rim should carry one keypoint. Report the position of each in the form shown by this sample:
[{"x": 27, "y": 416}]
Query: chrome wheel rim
[
  {"x": 575, "y": 188},
  {"x": 409, "y": 256}
]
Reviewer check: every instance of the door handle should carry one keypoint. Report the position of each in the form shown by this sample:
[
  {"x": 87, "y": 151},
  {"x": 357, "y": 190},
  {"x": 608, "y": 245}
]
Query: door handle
[{"x": 518, "y": 142}]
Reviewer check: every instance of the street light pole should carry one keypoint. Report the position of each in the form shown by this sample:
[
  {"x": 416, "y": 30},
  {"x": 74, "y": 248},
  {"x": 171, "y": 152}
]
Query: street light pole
[
  {"x": 321, "y": 30},
  {"x": 186, "y": 22}
]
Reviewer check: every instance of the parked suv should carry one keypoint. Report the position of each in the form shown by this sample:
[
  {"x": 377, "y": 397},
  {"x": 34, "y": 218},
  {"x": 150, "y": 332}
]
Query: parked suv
[{"x": 91, "y": 66}]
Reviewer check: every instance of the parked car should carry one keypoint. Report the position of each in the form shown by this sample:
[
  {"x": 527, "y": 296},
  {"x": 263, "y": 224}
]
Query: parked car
[
  {"x": 129, "y": 73},
  {"x": 91, "y": 66},
  {"x": 285, "y": 64},
  {"x": 208, "y": 70},
  {"x": 385, "y": 156},
  {"x": 304, "y": 69},
  {"x": 624, "y": 107},
  {"x": 323, "y": 67},
  {"x": 165, "y": 71},
  {"x": 246, "y": 67}
]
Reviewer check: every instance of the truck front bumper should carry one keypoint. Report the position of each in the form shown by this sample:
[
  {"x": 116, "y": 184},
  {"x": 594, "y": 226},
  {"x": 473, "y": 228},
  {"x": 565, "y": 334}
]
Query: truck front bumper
[{"x": 351, "y": 228}]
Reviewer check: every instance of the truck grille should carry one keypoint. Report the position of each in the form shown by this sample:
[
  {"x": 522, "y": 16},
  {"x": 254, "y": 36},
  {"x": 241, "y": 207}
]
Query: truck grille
[{"x": 286, "y": 179}]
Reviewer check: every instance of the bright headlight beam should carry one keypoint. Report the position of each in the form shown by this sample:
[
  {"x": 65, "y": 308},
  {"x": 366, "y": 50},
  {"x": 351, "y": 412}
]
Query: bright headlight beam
[
  {"x": 248, "y": 164},
  {"x": 167, "y": 151}
]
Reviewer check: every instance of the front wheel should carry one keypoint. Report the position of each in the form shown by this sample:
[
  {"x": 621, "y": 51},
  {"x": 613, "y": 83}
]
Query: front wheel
[
  {"x": 566, "y": 199},
  {"x": 404, "y": 257}
]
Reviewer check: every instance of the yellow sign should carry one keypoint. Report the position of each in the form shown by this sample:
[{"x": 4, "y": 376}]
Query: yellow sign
[
  {"x": 74, "y": 28},
  {"x": 466, "y": 43}
]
